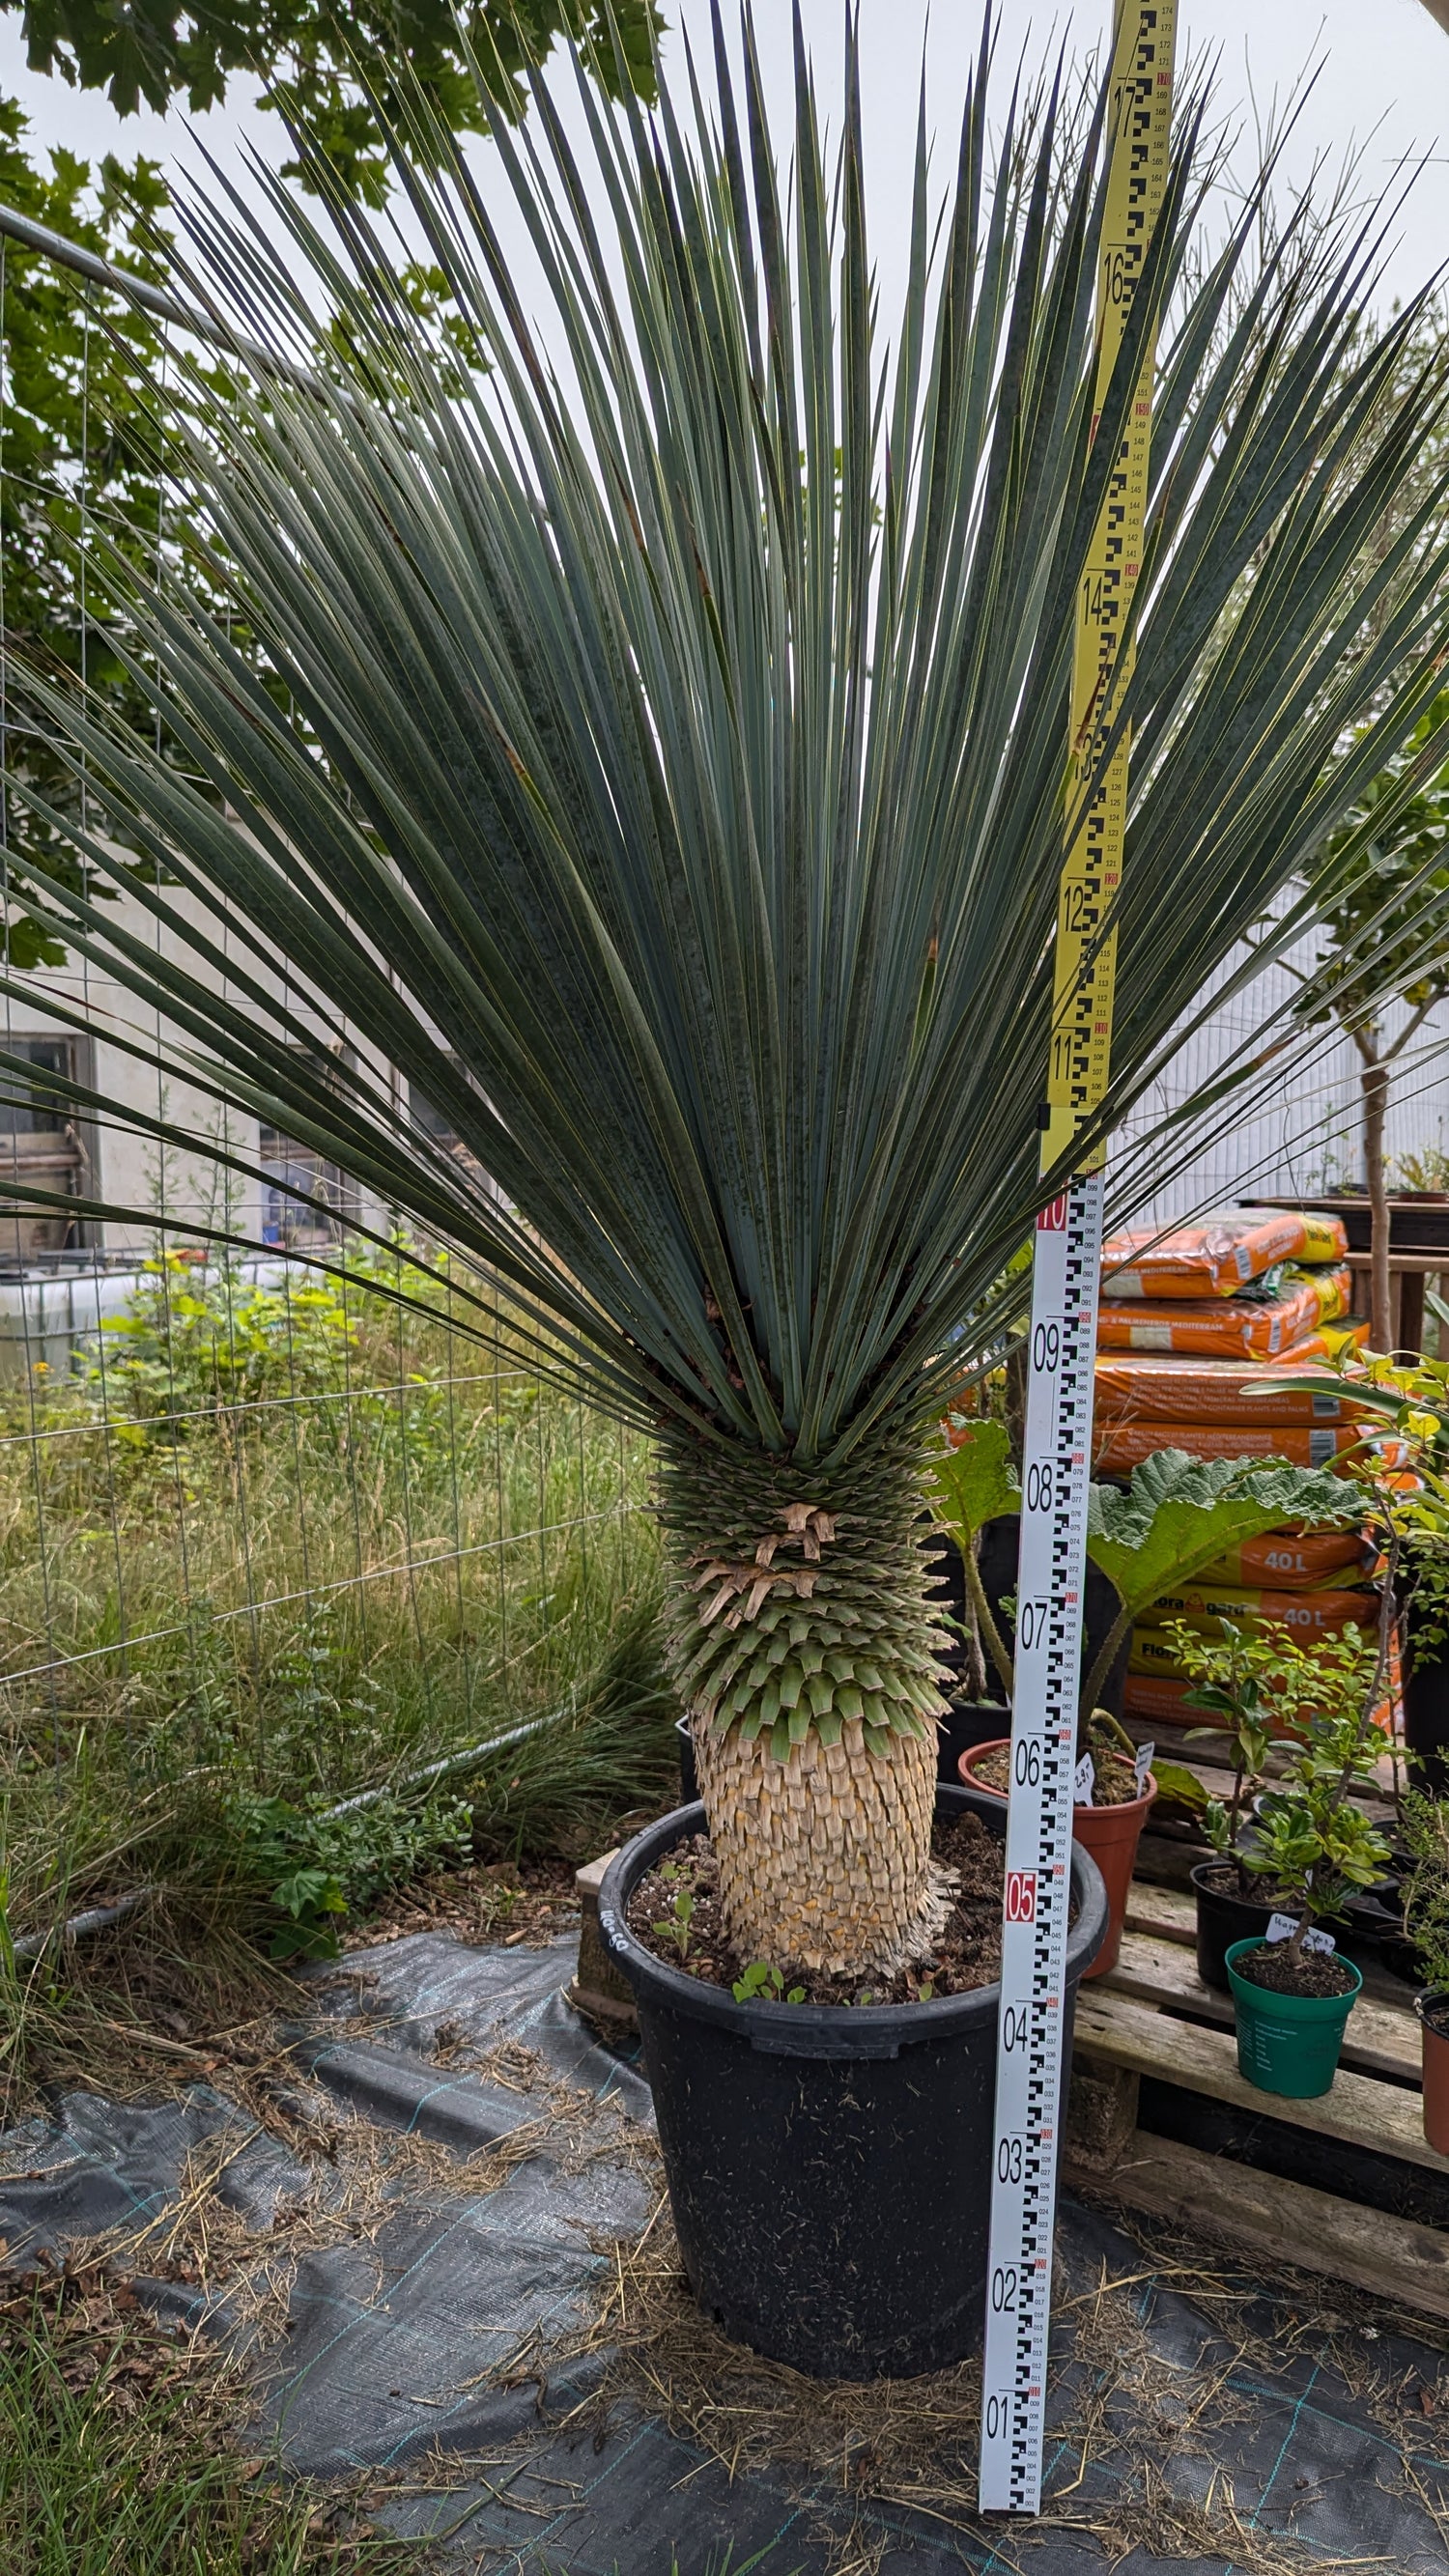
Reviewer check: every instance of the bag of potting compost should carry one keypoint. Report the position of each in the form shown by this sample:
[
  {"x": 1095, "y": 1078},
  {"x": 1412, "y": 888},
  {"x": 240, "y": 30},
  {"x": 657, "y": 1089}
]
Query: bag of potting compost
[
  {"x": 1118, "y": 1447},
  {"x": 1156, "y": 1687},
  {"x": 1204, "y": 1606},
  {"x": 1163, "y": 1386},
  {"x": 1294, "y": 1560},
  {"x": 1217, "y": 1255},
  {"x": 1287, "y": 1327}
]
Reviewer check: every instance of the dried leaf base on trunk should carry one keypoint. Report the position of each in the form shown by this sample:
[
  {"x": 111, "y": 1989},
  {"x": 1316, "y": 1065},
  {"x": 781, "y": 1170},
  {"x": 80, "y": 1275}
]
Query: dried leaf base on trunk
[
  {"x": 824, "y": 1859},
  {"x": 803, "y": 1644}
]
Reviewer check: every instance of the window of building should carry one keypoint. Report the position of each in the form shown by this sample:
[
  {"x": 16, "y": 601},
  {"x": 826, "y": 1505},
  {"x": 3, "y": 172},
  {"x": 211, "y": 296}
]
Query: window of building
[{"x": 43, "y": 1144}]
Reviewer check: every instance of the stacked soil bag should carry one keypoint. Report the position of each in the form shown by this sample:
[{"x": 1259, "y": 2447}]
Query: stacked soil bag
[
  {"x": 1189, "y": 1322},
  {"x": 1182, "y": 1313}
]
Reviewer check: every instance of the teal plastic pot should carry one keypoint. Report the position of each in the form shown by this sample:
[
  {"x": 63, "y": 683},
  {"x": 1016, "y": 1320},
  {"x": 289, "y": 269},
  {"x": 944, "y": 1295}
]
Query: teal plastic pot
[{"x": 1288, "y": 2043}]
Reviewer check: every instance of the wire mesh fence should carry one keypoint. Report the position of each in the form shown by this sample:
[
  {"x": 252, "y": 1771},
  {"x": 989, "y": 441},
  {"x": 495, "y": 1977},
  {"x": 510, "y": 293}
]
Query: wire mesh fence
[{"x": 262, "y": 1525}]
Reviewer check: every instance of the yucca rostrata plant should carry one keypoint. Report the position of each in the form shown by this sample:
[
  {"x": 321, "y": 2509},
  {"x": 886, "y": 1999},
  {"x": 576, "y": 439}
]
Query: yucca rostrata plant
[{"x": 642, "y": 727}]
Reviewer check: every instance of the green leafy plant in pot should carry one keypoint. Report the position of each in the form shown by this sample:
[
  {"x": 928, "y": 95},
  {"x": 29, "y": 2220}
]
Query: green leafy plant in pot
[
  {"x": 1312, "y": 1846},
  {"x": 622, "y": 828},
  {"x": 1179, "y": 1514},
  {"x": 1235, "y": 1677}
]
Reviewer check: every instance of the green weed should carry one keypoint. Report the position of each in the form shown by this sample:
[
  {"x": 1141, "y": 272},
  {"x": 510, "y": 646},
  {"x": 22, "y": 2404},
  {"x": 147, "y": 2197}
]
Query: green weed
[{"x": 115, "y": 2460}]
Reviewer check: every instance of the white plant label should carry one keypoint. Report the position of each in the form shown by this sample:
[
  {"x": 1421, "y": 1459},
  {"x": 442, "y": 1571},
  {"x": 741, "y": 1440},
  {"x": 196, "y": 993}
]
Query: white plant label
[
  {"x": 1142, "y": 1764},
  {"x": 1084, "y": 1781},
  {"x": 1281, "y": 1927}
]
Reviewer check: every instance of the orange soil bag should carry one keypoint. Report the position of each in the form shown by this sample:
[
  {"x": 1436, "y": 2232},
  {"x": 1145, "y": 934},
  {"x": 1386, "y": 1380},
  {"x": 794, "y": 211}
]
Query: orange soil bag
[
  {"x": 1292, "y": 1561},
  {"x": 1175, "y": 1388},
  {"x": 1161, "y": 1696},
  {"x": 1292, "y": 1327},
  {"x": 1158, "y": 1699},
  {"x": 1219, "y": 1254},
  {"x": 1120, "y": 1446},
  {"x": 1204, "y": 1606}
]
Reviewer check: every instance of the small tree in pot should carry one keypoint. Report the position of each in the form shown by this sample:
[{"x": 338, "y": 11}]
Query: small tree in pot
[{"x": 666, "y": 779}]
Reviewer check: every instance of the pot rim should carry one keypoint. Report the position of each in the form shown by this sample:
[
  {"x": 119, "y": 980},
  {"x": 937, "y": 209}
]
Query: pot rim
[
  {"x": 998, "y": 1743},
  {"x": 1252, "y": 1941},
  {"x": 1217, "y": 1860},
  {"x": 1423, "y": 2002},
  {"x": 818, "y": 2030}
]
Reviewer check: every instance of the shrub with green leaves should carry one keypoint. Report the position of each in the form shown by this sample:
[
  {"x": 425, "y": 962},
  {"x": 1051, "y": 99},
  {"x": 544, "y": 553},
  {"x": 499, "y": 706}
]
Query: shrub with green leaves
[
  {"x": 1312, "y": 1845},
  {"x": 315, "y": 1866}
]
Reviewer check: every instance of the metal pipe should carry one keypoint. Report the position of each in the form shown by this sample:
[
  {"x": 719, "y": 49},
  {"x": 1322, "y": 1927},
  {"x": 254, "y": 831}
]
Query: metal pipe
[
  {"x": 99, "y": 1918},
  {"x": 167, "y": 308}
]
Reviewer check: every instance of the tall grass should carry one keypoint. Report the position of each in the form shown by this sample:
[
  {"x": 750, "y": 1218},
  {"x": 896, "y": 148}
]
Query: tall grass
[
  {"x": 115, "y": 2460},
  {"x": 291, "y": 1544}
]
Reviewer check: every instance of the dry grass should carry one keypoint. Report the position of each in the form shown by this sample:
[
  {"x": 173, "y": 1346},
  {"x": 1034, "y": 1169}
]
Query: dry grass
[{"x": 1158, "y": 2431}]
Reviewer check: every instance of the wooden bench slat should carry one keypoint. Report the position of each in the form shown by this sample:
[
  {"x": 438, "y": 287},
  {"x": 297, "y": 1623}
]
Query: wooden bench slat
[
  {"x": 1394, "y": 2257},
  {"x": 1360, "y": 2110},
  {"x": 1382, "y": 2039}
]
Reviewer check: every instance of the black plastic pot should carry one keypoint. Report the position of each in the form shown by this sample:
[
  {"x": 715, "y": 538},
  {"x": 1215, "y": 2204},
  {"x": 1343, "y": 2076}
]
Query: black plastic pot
[
  {"x": 829, "y": 2168},
  {"x": 1221, "y": 1920},
  {"x": 967, "y": 1722},
  {"x": 1426, "y": 1713}
]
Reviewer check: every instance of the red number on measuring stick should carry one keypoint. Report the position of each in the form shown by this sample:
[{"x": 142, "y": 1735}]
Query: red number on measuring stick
[
  {"x": 1021, "y": 1896},
  {"x": 1053, "y": 1219}
]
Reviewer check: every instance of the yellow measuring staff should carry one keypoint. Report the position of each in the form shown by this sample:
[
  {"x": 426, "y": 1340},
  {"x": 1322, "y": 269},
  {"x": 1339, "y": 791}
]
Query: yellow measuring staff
[{"x": 1081, "y": 1045}]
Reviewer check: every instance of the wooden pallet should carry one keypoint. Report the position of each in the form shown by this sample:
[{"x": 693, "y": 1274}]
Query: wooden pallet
[{"x": 1153, "y": 2019}]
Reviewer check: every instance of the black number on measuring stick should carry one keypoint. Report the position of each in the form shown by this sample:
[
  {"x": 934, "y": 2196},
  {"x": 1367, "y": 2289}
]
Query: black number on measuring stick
[
  {"x": 1009, "y": 2160},
  {"x": 1031, "y": 1621},
  {"x": 1040, "y": 1485},
  {"x": 1046, "y": 1347},
  {"x": 1003, "y": 2289}
]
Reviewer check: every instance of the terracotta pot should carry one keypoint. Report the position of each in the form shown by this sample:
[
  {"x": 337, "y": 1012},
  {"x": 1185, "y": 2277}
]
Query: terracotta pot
[
  {"x": 1110, "y": 1834},
  {"x": 1436, "y": 2075}
]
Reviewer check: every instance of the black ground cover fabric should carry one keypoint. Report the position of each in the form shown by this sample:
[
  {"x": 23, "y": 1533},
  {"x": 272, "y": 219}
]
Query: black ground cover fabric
[{"x": 1329, "y": 2449}]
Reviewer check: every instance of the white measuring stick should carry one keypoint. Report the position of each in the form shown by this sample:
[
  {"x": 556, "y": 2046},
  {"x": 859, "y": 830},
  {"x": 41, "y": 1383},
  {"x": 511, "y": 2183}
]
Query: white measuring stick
[
  {"x": 1057, "y": 1448},
  {"x": 1051, "y": 1572}
]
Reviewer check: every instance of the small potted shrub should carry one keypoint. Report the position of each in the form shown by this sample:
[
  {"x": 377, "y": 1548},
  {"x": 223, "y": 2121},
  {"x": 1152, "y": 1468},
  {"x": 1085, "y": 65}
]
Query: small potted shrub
[
  {"x": 1232, "y": 1676},
  {"x": 1424, "y": 1829},
  {"x": 1310, "y": 1849},
  {"x": 1177, "y": 1516}
]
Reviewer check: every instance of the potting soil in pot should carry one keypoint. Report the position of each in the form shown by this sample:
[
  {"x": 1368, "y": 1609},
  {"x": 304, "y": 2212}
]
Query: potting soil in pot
[
  {"x": 1114, "y": 1782},
  {"x": 1318, "y": 1972},
  {"x": 967, "y": 1954}
]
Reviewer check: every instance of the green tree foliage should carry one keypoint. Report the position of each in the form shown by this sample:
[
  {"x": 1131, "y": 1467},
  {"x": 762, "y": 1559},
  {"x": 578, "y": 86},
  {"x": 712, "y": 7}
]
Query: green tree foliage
[
  {"x": 338, "y": 66},
  {"x": 77, "y": 447}
]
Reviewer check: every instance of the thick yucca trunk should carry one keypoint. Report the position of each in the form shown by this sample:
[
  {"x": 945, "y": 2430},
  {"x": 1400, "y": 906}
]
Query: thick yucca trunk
[{"x": 806, "y": 1651}]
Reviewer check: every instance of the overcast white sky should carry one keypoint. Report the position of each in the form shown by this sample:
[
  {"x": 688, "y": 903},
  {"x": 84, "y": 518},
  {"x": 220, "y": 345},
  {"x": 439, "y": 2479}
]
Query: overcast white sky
[{"x": 1383, "y": 82}]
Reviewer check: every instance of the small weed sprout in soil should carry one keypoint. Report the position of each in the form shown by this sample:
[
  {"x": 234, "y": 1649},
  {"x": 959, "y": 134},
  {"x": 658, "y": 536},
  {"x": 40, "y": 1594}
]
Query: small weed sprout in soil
[
  {"x": 966, "y": 1954},
  {"x": 1311, "y": 1846}
]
